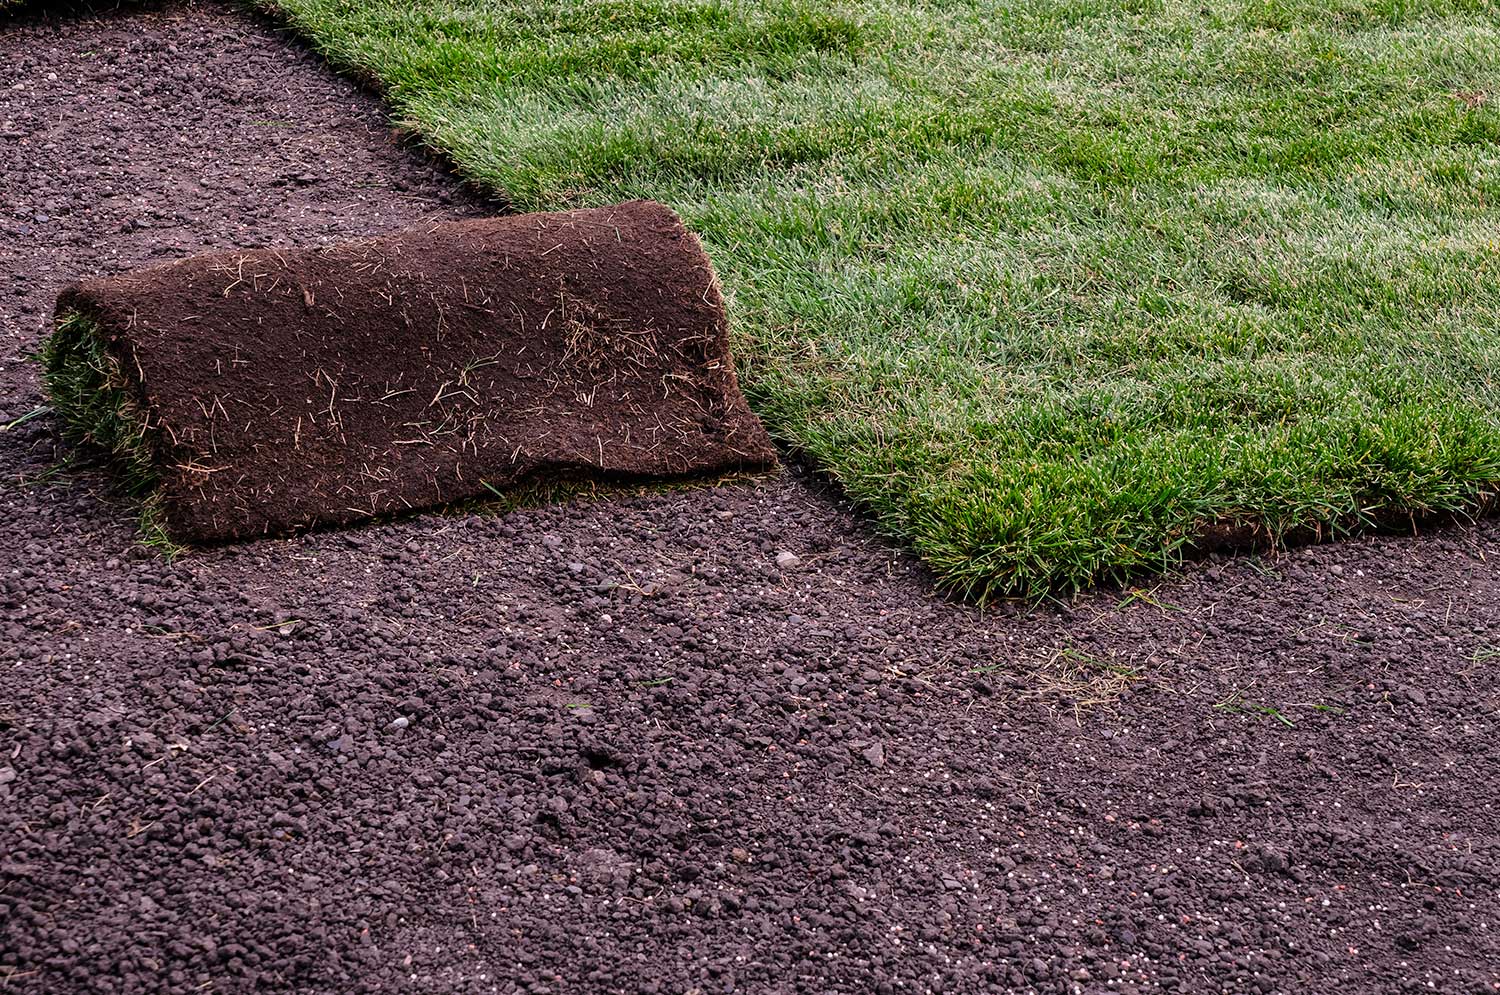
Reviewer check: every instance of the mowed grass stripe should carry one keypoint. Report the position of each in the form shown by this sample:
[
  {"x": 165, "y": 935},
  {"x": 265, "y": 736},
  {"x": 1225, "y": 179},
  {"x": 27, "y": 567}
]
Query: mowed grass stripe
[{"x": 1052, "y": 288}]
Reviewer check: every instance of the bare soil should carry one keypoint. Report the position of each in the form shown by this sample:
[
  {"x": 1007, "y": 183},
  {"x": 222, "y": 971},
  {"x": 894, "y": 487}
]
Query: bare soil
[
  {"x": 626, "y": 744},
  {"x": 286, "y": 387}
]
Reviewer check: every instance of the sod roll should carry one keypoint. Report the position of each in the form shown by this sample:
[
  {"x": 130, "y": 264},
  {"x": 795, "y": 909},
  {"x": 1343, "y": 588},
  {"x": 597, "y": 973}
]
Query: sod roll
[{"x": 259, "y": 392}]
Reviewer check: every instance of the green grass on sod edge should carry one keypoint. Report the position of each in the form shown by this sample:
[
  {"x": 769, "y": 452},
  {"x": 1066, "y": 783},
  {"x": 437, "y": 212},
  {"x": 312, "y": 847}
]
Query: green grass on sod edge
[
  {"x": 1048, "y": 286},
  {"x": 97, "y": 408},
  {"x": 94, "y": 401}
]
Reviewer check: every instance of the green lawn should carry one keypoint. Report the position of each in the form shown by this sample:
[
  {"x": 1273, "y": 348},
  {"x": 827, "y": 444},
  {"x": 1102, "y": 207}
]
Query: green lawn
[{"x": 1048, "y": 286}]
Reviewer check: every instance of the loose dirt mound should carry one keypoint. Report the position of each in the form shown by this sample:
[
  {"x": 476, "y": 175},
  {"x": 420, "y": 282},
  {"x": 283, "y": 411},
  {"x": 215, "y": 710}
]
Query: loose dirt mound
[{"x": 262, "y": 391}]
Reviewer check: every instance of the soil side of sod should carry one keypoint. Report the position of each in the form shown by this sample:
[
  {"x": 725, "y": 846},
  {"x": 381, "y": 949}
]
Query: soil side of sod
[
  {"x": 613, "y": 745},
  {"x": 283, "y": 388}
]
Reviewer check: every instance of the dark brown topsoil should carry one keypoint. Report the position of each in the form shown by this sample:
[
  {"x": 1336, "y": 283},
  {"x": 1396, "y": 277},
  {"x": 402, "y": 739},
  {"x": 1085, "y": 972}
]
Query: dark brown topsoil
[
  {"x": 293, "y": 387},
  {"x": 613, "y": 746}
]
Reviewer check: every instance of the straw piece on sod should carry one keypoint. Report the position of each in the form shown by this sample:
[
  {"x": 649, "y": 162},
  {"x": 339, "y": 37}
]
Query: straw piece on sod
[{"x": 258, "y": 392}]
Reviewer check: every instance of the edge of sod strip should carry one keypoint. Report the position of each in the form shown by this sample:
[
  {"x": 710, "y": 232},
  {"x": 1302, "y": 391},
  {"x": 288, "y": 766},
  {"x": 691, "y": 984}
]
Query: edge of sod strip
[{"x": 99, "y": 410}]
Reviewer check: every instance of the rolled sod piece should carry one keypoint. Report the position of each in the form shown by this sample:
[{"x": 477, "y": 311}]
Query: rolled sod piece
[{"x": 259, "y": 392}]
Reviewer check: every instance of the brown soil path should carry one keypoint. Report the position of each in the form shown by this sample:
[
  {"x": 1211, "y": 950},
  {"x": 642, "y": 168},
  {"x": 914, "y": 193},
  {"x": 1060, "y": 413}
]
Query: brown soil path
[{"x": 614, "y": 746}]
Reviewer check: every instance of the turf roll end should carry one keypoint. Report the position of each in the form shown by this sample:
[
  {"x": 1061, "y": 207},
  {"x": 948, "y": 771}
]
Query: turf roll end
[
  {"x": 96, "y": 402},
  {"x": 265, "y": 391}
]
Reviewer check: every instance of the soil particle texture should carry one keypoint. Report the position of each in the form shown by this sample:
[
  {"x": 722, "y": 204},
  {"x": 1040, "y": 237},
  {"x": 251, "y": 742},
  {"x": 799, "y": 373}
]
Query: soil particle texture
[{"x": 626, "y": 744}]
